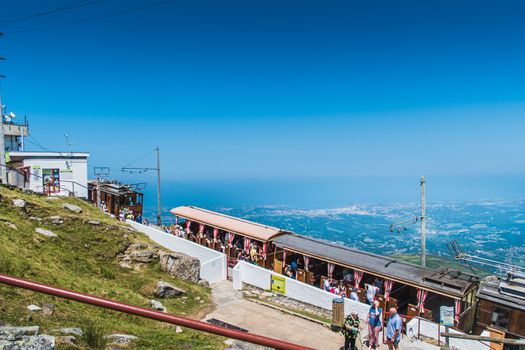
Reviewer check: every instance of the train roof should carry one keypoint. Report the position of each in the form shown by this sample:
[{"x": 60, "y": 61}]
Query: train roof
[
  {"x": 228, "y": 223},
  {"x": 444, "y": 281},
  {"x": 508, "y": 293}
]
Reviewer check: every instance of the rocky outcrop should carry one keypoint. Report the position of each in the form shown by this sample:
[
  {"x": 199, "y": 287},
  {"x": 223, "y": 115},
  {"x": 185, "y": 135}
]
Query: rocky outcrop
[
  {"x": 180, "y": 265},
  {"x": 121, "y": 339},
  {"x": 138, "y": 254},
  {"x": 73, "y": 208},
  {"x": 157, "y": 306},
  {"x": 166, "y": 290},
  {"x": 45, "y": 232},
  {"x": 19, "y": 203},
  {"x": 27, "y": 338}
]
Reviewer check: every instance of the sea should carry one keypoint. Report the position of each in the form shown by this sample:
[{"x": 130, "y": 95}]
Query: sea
[{"x": 489, "y": 228}]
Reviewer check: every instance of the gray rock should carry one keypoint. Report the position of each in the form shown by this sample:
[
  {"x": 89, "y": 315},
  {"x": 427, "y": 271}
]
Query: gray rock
[
  {"x": 122, "y": 339},
  {"x": 141, "y": 253},
  {"x": 67, "y": 340},
  {"x": 94, "y": 222},
  {"x": 10, "y": 225},
  {"x": 35, "y": 218},
  {"x": 73, "y": 208},
  {"x": 45, "y": 232},
  {"x": 240, "y": 345},
  {"x": 34, "y": 308},
  {"x": 166, "y": 290},
  {"x": 77, "y": 332},
  {"x": 48, "y": 309},
  {"x": 180, "y": 265},
  {"x": 20, "y": 203},
  {"x": 144, "y": 256},
  {"x": 178, "y": 329},
  {"x": 203, "y": 283},
  {"x": 157, "y": 306},
  {"x": 38, "y": 342},
  {"x": 19, "y": 331}
]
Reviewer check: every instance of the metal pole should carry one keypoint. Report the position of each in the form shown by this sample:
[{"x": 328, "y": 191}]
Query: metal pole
[
  {"x": 154, "y": 315},
  {"x": 99, "y": 200},
  {"x": 3, "y": 171},
  {"x": 423, "y": 225},
  {"x": 159, "y": 207}
]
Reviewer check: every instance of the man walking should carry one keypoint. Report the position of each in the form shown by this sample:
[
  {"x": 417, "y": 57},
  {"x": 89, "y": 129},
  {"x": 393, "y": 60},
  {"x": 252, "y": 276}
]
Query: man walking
[
  {"x": 394, "y": 328},
  {"x": 351, "y": 330}
]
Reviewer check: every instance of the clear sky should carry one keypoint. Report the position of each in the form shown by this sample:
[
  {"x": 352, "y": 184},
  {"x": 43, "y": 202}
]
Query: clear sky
[{"x": 356, "y": 91}]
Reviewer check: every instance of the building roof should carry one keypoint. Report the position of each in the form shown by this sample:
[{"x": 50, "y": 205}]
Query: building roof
[
  {"x": 497, "y": 292},
  {"x": 228, "y": 223},
  {"x": 443, "y": 281},
  {"x": 19, "y": 156},
  {"x": 114, "y": 188}
]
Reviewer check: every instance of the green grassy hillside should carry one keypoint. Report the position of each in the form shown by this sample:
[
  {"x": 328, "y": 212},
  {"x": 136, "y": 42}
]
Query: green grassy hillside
[
  {"x": 435, "y": 262},
  {"x": 83, "y": 258}
]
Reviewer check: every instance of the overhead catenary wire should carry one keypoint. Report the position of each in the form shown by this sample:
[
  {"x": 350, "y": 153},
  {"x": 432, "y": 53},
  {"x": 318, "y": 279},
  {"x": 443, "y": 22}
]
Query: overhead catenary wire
[
  {"x": 62, "y": 8},
  {"x": 94, "y": 18}
]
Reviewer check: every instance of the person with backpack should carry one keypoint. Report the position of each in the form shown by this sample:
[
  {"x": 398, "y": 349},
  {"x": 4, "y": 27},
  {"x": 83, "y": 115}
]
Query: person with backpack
[{"x": 351, "y": 330}]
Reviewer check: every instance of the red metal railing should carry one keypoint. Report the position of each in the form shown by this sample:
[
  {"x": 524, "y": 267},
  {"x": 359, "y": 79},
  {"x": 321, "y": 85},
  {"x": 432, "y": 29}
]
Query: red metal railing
[{"x": 155, "y": 315}]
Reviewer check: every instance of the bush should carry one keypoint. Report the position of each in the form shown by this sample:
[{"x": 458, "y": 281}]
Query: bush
[{"x": 94, "y": 336}]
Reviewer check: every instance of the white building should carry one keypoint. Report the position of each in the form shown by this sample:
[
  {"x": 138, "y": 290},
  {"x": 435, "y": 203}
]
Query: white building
[{"x": 51, "y": 173}]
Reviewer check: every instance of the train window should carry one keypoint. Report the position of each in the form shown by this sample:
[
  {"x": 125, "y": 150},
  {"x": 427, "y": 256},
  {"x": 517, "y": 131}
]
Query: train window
[{"x": 500, "y": 317}]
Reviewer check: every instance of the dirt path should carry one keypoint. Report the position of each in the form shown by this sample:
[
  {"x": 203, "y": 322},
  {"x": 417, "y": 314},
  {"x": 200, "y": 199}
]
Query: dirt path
[{"x": 259, "y": 319}]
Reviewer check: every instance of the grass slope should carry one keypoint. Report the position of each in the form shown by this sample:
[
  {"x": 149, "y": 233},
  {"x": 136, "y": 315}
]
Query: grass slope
[
  {"x": 435, "y": 262},
  {"x": 83, "y": 258}
]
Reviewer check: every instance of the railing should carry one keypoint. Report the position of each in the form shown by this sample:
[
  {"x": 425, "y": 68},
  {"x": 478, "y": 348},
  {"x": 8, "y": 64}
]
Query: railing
[{"x": 146, "y": 313}]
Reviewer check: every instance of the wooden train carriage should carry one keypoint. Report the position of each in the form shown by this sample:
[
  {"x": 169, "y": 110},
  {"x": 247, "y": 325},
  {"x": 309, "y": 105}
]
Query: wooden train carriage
[
  {"x": 232, "y": 234},
  {"x": 400, "y": 284},
  {"x": 501, "y": 308},
  {"x": 116, "y": 197}
]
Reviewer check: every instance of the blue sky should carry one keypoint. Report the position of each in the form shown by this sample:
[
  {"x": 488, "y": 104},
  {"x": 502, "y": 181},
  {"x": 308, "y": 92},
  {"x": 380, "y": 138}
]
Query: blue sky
[{"x": 265, "y": 90}]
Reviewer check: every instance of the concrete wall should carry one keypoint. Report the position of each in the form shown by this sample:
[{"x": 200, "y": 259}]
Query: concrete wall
[
  {"x": 261, "y": 278},
  {"x": 213, "y": 263},
  {"x": 430, "y": 330}
]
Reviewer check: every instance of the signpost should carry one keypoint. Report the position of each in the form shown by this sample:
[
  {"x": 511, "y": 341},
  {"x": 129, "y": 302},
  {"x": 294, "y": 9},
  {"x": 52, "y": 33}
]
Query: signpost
[{"x": 278, "y": 284}]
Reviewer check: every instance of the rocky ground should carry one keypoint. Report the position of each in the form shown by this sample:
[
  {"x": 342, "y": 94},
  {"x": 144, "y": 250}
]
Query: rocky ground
[{"x": 67, "y": 243}]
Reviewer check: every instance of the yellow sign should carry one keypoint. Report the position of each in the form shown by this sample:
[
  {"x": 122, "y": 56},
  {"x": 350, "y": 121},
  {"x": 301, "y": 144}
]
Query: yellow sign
[{"x": 278, "y": 284}]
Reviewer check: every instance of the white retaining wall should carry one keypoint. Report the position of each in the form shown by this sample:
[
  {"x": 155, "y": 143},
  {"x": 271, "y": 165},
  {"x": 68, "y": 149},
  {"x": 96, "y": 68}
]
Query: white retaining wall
[
  {"x": 261, "y": 278},
  {"x": 430, "y": 329},
  {"x": 213, "y": 263}
]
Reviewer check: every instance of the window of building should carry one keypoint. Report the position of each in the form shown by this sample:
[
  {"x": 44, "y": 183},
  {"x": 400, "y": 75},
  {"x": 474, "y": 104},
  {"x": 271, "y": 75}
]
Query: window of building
[
  {"x": 500, "y": 317},
  {"x": 51, "y": 180}
]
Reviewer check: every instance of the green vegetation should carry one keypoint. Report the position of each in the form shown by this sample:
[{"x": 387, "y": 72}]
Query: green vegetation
[
  {"x": 435, "y": 262},
  {"x": 84, "y": 258}
]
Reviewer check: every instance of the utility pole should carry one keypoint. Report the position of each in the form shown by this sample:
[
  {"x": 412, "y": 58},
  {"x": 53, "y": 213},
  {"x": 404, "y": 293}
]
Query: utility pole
[
  {"x": 157, "y": 169},
  {"x": 159, "y": 207},
  {"x": 3, "y": 169},
  {"x": 423, "y": 225},
  {"x": 100, "y": 171}
]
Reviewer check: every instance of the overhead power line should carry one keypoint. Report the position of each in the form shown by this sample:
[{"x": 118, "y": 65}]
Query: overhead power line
[
  {"x": 94, "y": 18},
  {"x": 71, "y": 6}
]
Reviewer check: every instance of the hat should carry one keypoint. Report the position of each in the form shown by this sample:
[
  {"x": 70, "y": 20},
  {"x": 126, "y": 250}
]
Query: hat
[{"x": 354, "y": 312}]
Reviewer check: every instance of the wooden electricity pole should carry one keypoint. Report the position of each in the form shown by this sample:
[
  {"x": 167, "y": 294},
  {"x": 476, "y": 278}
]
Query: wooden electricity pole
[{"x": 423, "y": 225}]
